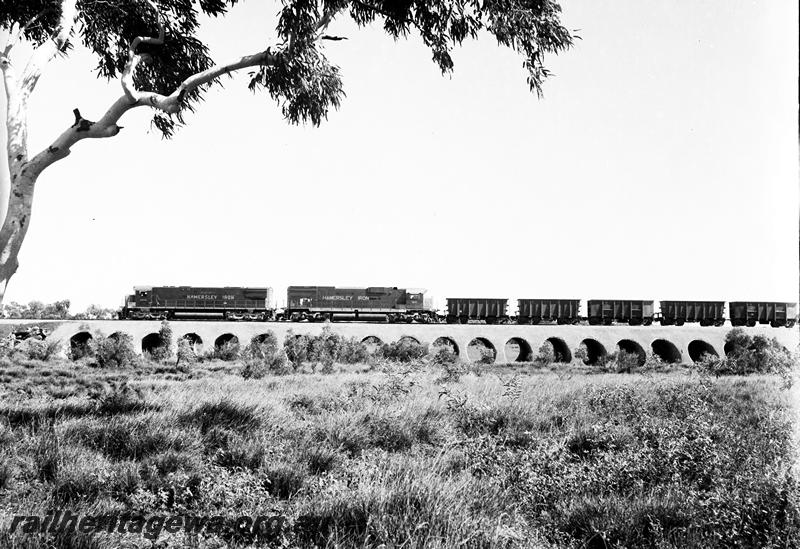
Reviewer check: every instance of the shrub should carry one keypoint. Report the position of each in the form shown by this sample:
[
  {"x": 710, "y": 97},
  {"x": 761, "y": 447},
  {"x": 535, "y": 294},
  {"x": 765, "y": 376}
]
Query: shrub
[
  {"x": 325, "y": 348},
  {"x": 228, "y": 351},
  {"x": 546, "y": 355},
  {"x": 746, "y": 355},
  {"x": 185, "y": 354},
  {"x": 164, "y": 349},
  {"x": 405, "y": 350},
  {"x": 262, "y": 356},
  {"x": 581, "y": 353},
  {"x": 623, "y": 361},
  {"x": 39, "y": 349},
  {"x": 115, "y": 351},
  {"x": 444, "y": 355}
]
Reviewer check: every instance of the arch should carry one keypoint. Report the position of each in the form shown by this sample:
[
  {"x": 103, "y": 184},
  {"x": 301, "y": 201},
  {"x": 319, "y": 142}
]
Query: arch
[
  {"x": 481, "y": 350},
  {"x": 261, "y": 338},
  {"x": 445, "y": 341},
  {"x": 372, "y": 343},
  {"x": 666, "y": 351},
  {"x": 561, "y": 350},
  {"x": 518, "y": 350},
  {"x": 194, "y": 340},
  {"x": 410, "y": 339},
  {"x": 224, "y": 339},
  {"x": 698, "y": 348},
  {"x": 595, "y": 351},
  {"x": 79, "y": 345},
  {"x": 115, "y": 335},
  {"x": 729, "y": 348},
  {"x": 631, "y": 347},
  {"x": 150, "y": 342}
]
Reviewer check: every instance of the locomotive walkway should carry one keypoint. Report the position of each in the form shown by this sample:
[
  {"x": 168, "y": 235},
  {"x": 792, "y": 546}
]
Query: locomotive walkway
[{"x": 510, "y": 341}]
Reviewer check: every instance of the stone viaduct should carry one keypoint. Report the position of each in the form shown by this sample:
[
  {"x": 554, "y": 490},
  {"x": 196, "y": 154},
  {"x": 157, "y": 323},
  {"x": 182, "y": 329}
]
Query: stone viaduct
[{"x": 511, "y": 342}]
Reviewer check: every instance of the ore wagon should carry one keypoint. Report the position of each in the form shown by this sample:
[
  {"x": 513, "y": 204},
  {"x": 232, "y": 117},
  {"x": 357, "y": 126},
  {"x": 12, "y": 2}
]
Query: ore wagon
[
  {"x": 749, "y": 313},
  {"x": 464, "y": 309},
  {"x": 175, "y": 302},
  {"x": 707, "y": 313},
  {"x": 319, "y": 303},
  {"x": 633, "y": 311},
  {"x": 561, "y": 311}
]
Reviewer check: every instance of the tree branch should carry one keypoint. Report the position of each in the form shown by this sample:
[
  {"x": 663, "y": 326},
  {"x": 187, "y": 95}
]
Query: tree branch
[
  {"x": 43, "y": 54},
  {"x": 107, "y": 125},
  {"x": 134, "y": 59}
]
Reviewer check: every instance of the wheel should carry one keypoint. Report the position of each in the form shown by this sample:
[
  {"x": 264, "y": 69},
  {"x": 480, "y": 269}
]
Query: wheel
[
  {"x": 450, "y": 319},
  {"x": 790, "y": 323},
  {"x": 751, "y": 323},
  {"x": 679, "y": 322},
  {"x": 647, "y": 321},
  {"x": 491, "y": 320},
  {"x": 463, "y": 320}
]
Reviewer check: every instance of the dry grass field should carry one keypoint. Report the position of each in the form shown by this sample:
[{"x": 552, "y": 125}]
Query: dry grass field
[{"x": 401, "y": 455}]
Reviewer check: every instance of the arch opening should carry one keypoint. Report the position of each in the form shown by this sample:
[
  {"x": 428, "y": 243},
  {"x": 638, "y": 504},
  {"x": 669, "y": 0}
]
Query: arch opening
[
  {"x": 372, "y": 343},
  {"x": 446, "y": 342},
  {"x": 151, "y": 342},
  {"x": 666, "y": 351},
  {"x": 408, "y": 339},
  {"x": 115, "y": 335},
  {"x": 225, "y": 339},
  {"x": 699, "y": 349},
  {"x": 79, "y": 345},
  {"x": 518, "y": 350},
  {"x": 593, "y": 351},
  {"x": 730, "y": 347},
  {"x": 194, "y": 340},
  {"x": 560, "y": 349},
  {"x": 632, "y": 348},
  {"x": 481, "y": 350}
]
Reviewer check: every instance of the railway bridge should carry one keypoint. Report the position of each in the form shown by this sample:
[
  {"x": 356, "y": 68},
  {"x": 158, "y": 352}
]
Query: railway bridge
[{"x": 510, "y": 342}]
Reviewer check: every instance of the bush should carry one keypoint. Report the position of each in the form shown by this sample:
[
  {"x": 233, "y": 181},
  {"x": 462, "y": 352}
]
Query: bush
[
  {"x": 115, "y": 351},
  {"x": 39, "y": 349},
  {"x": 405, "y": 350},
  {"x": 546, "y": 355},
  {"x": 749, "y": 354},
  {"x": 325, "y": 348},
  {"x": 262, "y": 356},
  {"x": 228, "y": 351},
  {"x": 164, "y": 349},
  {"x": 444, "y": 355},
  {"x": 185, "y": 354}
]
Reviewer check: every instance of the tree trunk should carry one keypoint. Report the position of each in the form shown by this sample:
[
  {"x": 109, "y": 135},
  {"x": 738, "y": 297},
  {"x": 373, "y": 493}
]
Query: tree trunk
[{"x": 15, "y": 225}]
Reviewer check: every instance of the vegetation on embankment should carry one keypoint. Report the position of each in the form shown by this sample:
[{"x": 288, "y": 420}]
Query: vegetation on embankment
[{"x": 424, "y": 453}]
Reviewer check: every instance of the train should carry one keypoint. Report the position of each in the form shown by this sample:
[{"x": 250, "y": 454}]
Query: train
[{"x": 400, "y": 305}]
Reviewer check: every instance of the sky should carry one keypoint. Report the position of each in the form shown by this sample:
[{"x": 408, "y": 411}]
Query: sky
[{"x": 661, "y": 163}]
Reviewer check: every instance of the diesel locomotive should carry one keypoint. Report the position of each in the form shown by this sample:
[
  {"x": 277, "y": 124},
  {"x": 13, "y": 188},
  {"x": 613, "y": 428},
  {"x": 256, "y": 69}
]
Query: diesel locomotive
[
  {"x": 176, "y": 302},
  {"x": 392, "y": 304},
  {"x": 320, "y": 303}
]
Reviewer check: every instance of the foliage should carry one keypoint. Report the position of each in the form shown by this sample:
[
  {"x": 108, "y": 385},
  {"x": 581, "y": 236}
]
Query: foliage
[
  {"x": 324, "y": 349},
  {"x": 164, "y": 349},
  {"x": 185, "y": 353},
  {"x": 746, "y": 354},
  {"x": 38, "y": 349},
  {"x": 96, "y": 312},
  {"x": 404, "y": 350},
  {"x": 228, "y": 351},
  {"x": 262, "y": 356},
  {"x": 546, "y": 355},
  {"x": 58, "y": 310},
  {"x": 114, "y": 351}
]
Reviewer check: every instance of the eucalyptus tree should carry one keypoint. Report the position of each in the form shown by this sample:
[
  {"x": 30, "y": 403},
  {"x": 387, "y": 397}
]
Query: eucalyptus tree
[{"x": 152, "y": 49}]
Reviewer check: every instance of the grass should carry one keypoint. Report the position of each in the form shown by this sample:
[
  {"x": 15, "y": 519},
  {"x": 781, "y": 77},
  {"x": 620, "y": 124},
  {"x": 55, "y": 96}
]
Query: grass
[{"x": 482, "y": 456}]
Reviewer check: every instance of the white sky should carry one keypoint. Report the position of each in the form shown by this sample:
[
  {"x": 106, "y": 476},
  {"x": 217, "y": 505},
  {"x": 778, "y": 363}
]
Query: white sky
[{"x": 662, "y": 163}]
